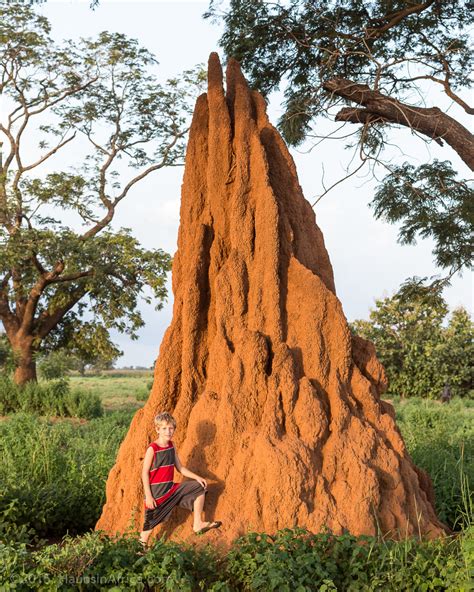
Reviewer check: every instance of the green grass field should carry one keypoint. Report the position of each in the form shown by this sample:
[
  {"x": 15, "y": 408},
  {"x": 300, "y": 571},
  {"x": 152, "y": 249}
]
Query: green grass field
[{"x": 118, "y": 391}]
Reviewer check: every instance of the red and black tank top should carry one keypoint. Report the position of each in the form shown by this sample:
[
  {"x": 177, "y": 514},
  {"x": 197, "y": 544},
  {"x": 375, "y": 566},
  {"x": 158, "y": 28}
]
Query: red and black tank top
[{"x": 162, "y": 472}]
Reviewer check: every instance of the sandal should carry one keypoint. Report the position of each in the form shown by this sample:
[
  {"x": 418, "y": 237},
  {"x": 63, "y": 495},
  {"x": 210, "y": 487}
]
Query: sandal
[
  {"x": 144, "y": 548},
  {"x": 210, "y": 526}
]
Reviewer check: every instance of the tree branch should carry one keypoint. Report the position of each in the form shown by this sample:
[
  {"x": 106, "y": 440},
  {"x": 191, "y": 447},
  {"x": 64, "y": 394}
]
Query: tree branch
[
  {"x": 431, "y": 122},
  {"x": 47, "y": 322},
  {"x": 395, "y": 18},
  {"x": 71, "y": 277},
  {"x": 49, "y": 154}
]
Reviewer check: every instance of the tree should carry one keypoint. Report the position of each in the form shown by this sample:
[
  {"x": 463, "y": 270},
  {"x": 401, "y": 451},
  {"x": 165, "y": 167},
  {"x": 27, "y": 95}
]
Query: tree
[
  {"x": 456, "y": 353},
  {"x": 419, "y": 354},
  {"x": 64, "y": 272},
  {"x": 374, "y": 64}
]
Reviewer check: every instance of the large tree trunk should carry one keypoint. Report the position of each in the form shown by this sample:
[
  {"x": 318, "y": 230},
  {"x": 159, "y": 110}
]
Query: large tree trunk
[{"x": 25, "y": 370}]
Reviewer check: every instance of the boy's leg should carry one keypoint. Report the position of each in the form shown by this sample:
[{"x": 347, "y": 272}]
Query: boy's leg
[
  {"x": 198, "y": 507},
  {"x": 193, "y": 500},
  {"x": 200, "y": 526},
  {"x": 144, "y": 536}
]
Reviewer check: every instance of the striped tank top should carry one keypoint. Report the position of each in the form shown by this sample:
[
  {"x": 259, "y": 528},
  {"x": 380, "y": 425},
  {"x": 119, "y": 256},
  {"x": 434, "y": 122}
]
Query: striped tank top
[{"x": 162, "y": 472}]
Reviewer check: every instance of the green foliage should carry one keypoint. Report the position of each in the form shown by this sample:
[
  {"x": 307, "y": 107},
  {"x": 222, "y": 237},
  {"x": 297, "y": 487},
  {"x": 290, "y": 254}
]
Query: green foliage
[
  {"x": 298, "y": 560},
  {"x": 290, "y": 560},
  {"x": 53, "y": 478},
  {"x": 308, "y": 41},
  {"x": 96, "y": 562},
  {"x": 85, "y": 345},
  {"x": 439, "y": 438},
  {"x": 54, "y": 365},
  {"x": 11, "y": 529},
  {"x": 6, "y": 354},
  {"x": 419, "y": 354},
  {"x": 53, "y": 398},
  {"x": 83, "y": 404},
  {"x": 55, "y": 473},
  {"x": 430, "y": 202},
  {"x": 144, "y": 393}
]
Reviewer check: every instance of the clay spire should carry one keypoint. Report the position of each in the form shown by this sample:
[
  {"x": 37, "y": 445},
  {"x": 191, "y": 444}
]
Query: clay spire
[{"x": 276, "y": 403}]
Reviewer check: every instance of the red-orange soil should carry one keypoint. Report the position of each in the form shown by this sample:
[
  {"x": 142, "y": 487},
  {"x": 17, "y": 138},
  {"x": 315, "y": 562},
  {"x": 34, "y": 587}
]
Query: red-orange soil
[{"x": 277, "y": 405}]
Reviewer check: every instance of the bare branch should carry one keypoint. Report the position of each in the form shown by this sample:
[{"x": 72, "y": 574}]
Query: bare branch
[{"x": 337, "y": 183}]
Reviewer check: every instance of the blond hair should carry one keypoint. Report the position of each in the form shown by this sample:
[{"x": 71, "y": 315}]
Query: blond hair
[{"x": 165, "y": 418}]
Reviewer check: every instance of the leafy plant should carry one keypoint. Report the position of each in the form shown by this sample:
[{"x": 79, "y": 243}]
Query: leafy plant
[{"x": 55, "y": 472}]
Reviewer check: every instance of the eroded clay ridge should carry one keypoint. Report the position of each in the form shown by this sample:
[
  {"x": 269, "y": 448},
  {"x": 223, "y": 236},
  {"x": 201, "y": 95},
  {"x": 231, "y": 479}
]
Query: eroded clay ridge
[{"x": 276, "y": 405}]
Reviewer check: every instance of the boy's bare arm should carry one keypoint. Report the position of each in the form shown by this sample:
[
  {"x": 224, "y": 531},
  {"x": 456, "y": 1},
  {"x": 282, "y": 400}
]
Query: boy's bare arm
[
  {"x": 187, "y": 473},
  {"x": 149, "y": 501}
]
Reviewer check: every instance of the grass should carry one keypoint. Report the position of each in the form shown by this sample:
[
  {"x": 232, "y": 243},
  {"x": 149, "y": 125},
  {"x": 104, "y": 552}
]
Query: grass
[
  {"x": 440, "y": 439},
  {"x": 118, "y": 393},
  {"x": 53, "y": 473}
]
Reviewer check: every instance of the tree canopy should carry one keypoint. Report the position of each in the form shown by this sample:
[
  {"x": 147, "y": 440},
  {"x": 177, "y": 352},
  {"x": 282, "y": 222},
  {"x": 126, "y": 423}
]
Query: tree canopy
[
  {"x": 376, "y": 64},
  {"x": 419, "y": 350},
  {"x": 65, "y": 274}
]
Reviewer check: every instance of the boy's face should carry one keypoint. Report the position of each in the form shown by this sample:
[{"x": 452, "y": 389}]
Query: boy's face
[{"x": 165, "y": 431}]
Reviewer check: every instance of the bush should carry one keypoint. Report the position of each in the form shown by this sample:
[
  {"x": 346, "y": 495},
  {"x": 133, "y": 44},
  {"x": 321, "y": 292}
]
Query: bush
[
  {"x": 48, "y": 398},
  {"x": 10, "y": 529},
  {"x": 83, "y": 404},
  {"x": 55, "y": 365},
  {"x": 55, "y": 473},
  {"x": 420, "y": 354},
  {"x": 143, "y": 393},
  {"x": 298, "y": 560}
]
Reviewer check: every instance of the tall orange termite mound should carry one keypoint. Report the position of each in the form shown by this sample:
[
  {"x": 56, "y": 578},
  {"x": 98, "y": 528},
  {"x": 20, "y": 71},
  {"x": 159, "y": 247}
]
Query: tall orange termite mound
[{"x": 276, "y": 404}]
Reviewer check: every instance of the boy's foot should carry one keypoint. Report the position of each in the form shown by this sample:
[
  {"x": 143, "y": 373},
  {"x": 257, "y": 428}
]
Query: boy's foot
[
  {"x": 144, "y": 548},
  {"x": 208, "y": 526}
]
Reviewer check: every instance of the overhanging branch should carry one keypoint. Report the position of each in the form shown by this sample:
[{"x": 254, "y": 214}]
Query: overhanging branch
[{"x": 377, "y": 107}]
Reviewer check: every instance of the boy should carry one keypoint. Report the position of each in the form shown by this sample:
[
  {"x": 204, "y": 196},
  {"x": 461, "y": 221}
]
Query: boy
[{"x": 161, "y": 494}]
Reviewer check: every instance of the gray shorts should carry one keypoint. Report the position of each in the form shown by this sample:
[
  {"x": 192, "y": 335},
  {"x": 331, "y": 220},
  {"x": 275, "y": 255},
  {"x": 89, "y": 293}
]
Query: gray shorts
[{"x": 183, "y": 497}]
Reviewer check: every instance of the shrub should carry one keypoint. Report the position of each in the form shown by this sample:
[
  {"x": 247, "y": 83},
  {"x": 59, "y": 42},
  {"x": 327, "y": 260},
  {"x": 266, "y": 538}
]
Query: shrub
[
  {"x": 419, "y": 353},
  {"x": 297, "y": 560},
  {"x": 8, "y": 395},
  {"x": 10, "y": 530},
  {"x": 54, "y": 365},
  {"x": 48, "y": 398},
  {"x": 143, "y": 394},
  {"x": 83, "y": 404}
]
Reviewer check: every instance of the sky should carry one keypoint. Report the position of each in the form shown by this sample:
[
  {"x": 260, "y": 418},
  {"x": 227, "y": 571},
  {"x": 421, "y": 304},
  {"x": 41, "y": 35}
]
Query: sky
[{"x": 368, "y": 262}]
